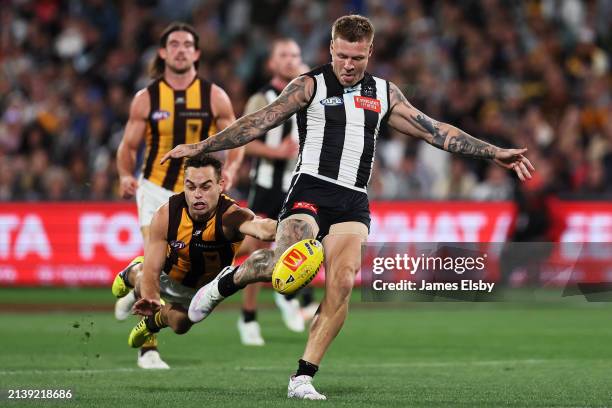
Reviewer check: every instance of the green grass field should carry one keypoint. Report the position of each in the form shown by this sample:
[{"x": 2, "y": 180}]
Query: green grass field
[{"x": 421, "y": 355}]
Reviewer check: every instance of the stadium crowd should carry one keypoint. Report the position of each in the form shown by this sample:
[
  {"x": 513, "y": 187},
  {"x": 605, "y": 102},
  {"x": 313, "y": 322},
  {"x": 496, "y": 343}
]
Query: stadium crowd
[{"x": 529, "y": 73}]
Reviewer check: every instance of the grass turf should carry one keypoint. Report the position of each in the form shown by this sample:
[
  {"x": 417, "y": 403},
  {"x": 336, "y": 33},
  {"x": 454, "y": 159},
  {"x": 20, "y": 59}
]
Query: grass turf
[{"x": 411, "y": 355}]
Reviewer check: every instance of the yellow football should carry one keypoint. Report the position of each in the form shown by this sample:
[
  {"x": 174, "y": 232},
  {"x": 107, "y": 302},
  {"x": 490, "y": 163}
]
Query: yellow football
[{"x": 297, "y": 266}]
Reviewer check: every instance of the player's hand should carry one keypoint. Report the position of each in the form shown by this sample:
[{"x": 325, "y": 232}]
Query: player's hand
[
  {"x": 513, "y": 159},
  {"x": 127, "y": 186},
  {"x": 182, "y": 150},
  {"x": 288, "y": 149},
  {"x": 146, "y": 307}
]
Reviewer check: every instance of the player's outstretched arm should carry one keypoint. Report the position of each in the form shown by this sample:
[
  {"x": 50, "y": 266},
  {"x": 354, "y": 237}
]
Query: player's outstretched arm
[
  {"x": 295, "y": 96},
  {"x": 240, "y": 221},
  {"x": 406, "y": 119},
  {"x": 155, "y": 255},
  {"x": 261, "y": 228}
]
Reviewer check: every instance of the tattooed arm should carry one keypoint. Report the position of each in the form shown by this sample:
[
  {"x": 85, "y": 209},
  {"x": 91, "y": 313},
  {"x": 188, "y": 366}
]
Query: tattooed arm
[
  {"x": 408, "y": 120},
  {"x": 295, "y": 96}
]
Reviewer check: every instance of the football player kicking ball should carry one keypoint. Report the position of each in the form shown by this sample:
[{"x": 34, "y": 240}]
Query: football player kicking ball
[
  {"x": 193, "y": 237},
  {"x": 340, "y": 108}
]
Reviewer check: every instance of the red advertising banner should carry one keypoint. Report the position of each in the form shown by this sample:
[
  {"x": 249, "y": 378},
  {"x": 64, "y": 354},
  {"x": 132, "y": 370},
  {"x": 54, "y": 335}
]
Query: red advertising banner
[
  {"x": 66, "y": 244},
  {"x": 85, "y": 244}
]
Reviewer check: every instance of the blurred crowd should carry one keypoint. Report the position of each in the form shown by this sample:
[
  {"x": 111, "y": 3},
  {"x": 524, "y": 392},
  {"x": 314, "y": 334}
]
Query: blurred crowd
[{"x": 514, "y": 73}]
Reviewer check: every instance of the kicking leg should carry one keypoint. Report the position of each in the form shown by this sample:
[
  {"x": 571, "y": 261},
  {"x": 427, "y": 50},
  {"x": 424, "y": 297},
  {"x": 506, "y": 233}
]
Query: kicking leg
[{"x": 257, "y": 268}]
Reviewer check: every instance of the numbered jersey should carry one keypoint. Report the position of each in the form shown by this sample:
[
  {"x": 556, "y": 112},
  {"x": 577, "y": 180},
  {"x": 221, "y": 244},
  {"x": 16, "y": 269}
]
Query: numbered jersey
[
  {"x": 197, "y": 251},
  {"x": 176, "y": 117}
]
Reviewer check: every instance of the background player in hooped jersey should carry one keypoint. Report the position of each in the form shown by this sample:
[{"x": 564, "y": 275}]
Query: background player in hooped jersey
[
  {"x": 177, "y": 107},
  {"x": 340, "y": 109},
  {"x": 275, "y": 154},
  {"x": 193, "y": 236}
]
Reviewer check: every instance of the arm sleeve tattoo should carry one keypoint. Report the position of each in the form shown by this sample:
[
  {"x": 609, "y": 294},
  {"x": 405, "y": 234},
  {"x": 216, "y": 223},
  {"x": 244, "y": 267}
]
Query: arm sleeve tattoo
[
  {"x": 440, "y": 135},
  {"x": 258, "y": 123}
]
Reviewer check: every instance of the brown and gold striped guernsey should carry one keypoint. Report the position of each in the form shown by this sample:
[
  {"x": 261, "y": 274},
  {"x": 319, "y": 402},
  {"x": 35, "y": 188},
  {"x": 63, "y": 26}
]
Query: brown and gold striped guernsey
[
  {"x": 176, "y": 117},
  {"x": 197, "y": 251}
]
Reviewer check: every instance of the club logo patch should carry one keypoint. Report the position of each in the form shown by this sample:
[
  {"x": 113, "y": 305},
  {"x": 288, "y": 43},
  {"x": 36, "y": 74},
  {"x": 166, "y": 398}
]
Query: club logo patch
[
  {"x": 176, "y": 245},
  {"x": 371, "y": 104},
  {"x": 332, "y": 101},
  {"x": 160, "y": 115}
]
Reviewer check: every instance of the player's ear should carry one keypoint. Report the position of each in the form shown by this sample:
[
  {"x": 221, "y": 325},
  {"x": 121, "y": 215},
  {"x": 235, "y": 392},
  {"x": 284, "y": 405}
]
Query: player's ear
[
  {"x": 162, "y": 53},
  {"x": 371, "y": 49},
  {"x": 197, "y": 55},
  {"x": 331, "y": 46}
]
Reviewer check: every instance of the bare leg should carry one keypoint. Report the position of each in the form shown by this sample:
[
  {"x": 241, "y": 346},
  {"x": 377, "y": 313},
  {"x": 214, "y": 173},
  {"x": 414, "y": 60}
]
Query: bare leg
[
  {"x": 342, "y": 263},
  {"x": 258, "y": 267},
  {"x": 175, "y": 316}
]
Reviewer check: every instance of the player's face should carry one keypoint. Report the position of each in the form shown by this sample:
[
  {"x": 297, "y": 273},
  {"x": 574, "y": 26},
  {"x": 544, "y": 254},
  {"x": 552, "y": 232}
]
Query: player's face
[
  {"x": 202, "y": 190},
  {"x": 286, "y": 60},
  {"x": 350, "y": 59},
  {"x": 180, "y": 53}
]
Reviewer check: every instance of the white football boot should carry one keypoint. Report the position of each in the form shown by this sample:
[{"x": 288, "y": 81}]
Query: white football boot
[
  {"x": 291, "y": 312},
  {"x": 207, "y": 298},
  {"x": 250, "y": 333},
  {"x": 123, "y": 306},
  {"x": 301, "y": 388},
  {"x": 151, "y": 360}
]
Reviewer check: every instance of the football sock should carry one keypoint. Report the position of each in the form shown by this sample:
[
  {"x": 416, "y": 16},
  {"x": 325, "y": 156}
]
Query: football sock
[
  {"x": 249, "y": 315},
  {"x": 124, "y": 275},
  {"x": 226, "y": 284},
  {"x": 154, "y": 323},
  {"x": 306, "y": 368},
  {"x": 307, "y": 296}
]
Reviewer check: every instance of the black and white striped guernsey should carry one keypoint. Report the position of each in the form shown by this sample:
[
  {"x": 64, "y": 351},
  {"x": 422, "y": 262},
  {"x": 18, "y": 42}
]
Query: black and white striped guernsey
[
  {"x": 339, "y": 127},
  {"x": 275, "y": 174}
]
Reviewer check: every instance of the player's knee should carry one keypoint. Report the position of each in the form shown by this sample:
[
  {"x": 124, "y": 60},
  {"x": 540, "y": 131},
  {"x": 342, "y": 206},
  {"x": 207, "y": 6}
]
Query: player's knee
[{"x": 182, "y": 325}]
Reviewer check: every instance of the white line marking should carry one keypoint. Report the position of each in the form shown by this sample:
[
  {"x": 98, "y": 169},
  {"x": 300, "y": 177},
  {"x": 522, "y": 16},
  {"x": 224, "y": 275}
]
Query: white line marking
[{"x": 283, "y": 367}]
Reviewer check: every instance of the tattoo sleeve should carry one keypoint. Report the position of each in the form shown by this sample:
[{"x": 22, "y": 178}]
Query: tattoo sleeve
[
  {"x": 258, "y": 267},
  {"x": 251, "y": 126},
  {"x": 440, "y": 135}
]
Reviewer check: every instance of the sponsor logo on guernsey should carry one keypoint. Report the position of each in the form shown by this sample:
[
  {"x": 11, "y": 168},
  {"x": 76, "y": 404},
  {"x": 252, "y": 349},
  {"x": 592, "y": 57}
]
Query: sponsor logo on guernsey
[
  {"x": 176, "y": 244},
  {"x": 302, "y": 205},
  {"x": 332, "y": 101},
  {"x": 160, "y": 115},
  {"x": 363, "y": 102},
  {"x": 294, "y": 259}
]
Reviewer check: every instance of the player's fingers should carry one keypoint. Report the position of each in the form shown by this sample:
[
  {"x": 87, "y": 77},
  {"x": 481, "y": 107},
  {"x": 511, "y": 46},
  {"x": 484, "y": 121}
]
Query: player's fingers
[
  {"x": 528, "y": 163},
  {"x": 524, "y": 169},
  {"x": 164, "y": 158},
  {"x": 518, "y": 172}
]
